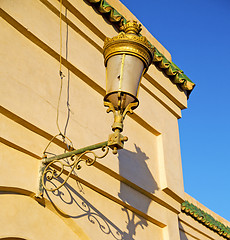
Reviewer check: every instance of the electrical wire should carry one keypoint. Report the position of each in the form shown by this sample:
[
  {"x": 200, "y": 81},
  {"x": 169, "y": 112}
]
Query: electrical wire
[
  {"x": 60, "y": 59},
  {"x": 64, "y": 137},
  {"x": 60, "y": 71},
  {"x": 68, "y": 76},
  {"x": 58, "y": 105}
]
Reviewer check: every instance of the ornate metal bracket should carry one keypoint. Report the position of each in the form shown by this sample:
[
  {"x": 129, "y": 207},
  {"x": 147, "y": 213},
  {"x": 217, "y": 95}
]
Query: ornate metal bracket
[
  {"x": 47, "y": 171},
  {"x": 121, "y": 112},
  {"x": 116, "y": 139},
  {"x": 115, "y": 142}
]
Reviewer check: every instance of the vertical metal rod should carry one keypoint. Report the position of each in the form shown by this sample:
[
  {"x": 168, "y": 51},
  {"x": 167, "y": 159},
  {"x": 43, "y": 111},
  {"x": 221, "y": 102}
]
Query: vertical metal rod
[{"x": 39, "y": 192}]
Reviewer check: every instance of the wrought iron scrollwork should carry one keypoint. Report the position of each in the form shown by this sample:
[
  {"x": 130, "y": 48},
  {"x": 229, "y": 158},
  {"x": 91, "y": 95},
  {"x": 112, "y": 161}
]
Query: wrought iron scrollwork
[{"x": 49, "y": 173}]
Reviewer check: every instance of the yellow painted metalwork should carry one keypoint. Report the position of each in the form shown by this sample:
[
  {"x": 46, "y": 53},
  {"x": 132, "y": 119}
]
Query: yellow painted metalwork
[{"x": 129, "y": 42}]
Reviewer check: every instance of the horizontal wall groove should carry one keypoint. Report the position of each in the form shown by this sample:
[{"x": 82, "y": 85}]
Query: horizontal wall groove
[
  {"x": 83, "y": 19},
  {"x": 160, "y": 101},
  {"x": 194, "y": 228},
  {"x": 17, "y": 147},
  {"x": 134, "y": 186},
  {"x": 31, "y": 127},
  {"x": 72, "y": 25},
  {"x": 164, "y": 91}
]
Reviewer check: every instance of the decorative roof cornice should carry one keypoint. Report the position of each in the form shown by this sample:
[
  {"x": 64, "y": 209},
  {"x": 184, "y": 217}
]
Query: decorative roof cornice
[
  {"x": 175, "y": 74},
  {"x": 205, "y": 219}
]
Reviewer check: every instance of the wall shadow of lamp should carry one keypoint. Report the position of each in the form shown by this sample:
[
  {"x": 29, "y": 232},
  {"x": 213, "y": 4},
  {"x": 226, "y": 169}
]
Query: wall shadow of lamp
[
  {"x": 133, "y": 166},
  {"x": 127, "y": 57}
]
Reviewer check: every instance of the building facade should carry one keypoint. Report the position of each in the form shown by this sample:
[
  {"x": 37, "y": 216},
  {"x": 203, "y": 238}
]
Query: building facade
[{"x": 136, "y": 194}]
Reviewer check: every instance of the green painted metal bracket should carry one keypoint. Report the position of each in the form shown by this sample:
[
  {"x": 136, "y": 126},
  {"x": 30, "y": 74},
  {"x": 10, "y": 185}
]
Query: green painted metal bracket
[
  {"x": 46, "y": 161},
  {"x": 75, "y": 152}
]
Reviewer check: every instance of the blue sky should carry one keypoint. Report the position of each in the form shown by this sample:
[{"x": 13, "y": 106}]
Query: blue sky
[{"x": 197, "y": 34}]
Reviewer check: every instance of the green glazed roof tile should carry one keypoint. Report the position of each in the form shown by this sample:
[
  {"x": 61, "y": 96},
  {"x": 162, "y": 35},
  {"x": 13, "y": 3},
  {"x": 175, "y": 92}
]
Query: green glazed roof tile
[
  {"x": 205, "y": 219},
  {"x": 175, "y": 74}
]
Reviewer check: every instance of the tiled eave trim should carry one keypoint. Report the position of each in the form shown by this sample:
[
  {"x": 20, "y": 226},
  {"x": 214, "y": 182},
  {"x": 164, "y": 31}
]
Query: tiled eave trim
[
  {"x": 205, "y": 219},
  {"x": 170, "y": 69}
]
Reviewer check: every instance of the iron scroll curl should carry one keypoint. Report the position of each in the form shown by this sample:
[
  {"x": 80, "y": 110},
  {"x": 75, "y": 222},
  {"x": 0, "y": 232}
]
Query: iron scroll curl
[{"x": 50, "y": 173}]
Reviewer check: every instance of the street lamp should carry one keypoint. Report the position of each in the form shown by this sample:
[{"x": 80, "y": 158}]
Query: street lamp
[{"x": 127, "y": 57}]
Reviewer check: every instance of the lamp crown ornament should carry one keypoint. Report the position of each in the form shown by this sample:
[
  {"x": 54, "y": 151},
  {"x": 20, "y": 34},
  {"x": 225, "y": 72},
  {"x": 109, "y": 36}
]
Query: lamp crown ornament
[
  {"x": 132, "y": 27},
  {"x": 129, "y": 41}
]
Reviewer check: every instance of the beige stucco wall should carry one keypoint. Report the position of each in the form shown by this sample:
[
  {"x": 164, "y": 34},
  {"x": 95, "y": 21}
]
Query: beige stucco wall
[{"x": 133, "y": 195}]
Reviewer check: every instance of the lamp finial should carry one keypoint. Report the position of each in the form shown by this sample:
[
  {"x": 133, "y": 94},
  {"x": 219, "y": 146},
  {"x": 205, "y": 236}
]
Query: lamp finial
[{"x": 132, "y": 27}]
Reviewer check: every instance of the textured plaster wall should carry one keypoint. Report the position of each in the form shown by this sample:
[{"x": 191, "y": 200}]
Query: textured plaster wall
[{"x": 133, "y": 195}]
